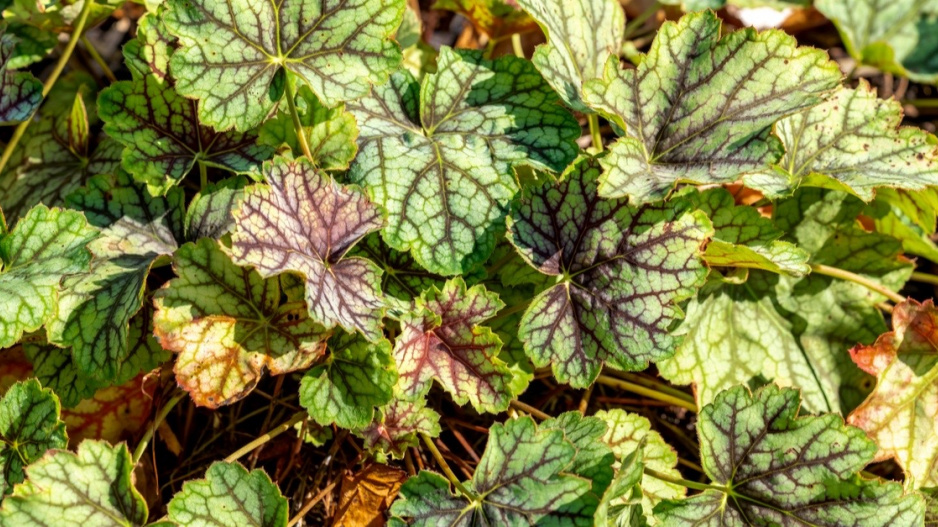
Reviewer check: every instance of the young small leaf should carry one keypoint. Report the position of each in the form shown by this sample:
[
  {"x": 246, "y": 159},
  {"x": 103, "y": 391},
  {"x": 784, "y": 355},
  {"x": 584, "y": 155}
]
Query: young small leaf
[
  {"x": 229, "y": 495},
  {"x": 569, "y": 58},
  {"x": 305, "y": 222},
  {"x": 700, "y": 107},
  {"x": 357, "y": 376},
  {"x": 163, "y": 139},
  {"x": 228, "y": 326},
  {"x": 442, "y": 339},
  {"x": 774, "y": 467},
  {"x": 44, "y": 246},
  {"x": 520, "y": 480},
  {"x": 621, "y": 273},
  {"x": 396, "y": 426},
  {"x": 852, "y": 142},
  {"x": 30, "y": 424},
  {"x": 230, "y": 61},
  {"x": 439, "y": 155},
  {"x": 94, "y": 485},
  {"x": 900, "y": 414}
]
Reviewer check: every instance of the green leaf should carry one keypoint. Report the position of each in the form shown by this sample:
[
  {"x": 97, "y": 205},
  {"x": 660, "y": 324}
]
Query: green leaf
[
  {"x": 441, "y": 339},
  {"x": 852, "y": 142},
  {"x": 700, "y": 108},
  {"x": 909, "y": 216},
  {"x": 303, "y": 221},
  {"x": 229, "y": 325},
  {"x": 520, "y": 480},
  {"x": 20, "y": 91},
  {"x": 45, "y": 245},
  {"x": 594, "y": 458},
  {"x": 621, "y": 504},
  {"x": 30, "y": 424},
  {"x": 569, "y": 59},
  {"x": 621, "y": 272},
  {"x": 231, "y": 62},
  {"x": 149, "y": 53},
  {"x": 94, "y": 310},
  {"x": 95, "y": 485},
  {"x": 211, "y": 211},
  {"x": 56, "y": 16},
  {"x": 330, "y": 132},
  {"x": 439, "y": 155},
  {"x": 229, "y": 495},
  {"x": 355, "y": 377},
  {"x": 163, "y": 139},
  {"x": 397, "y": 424},
  {"x": 628, "y": 433},
  {"x": 45, "y": 168},
  {"x": 899, "y": 415},
  {"x": 898, "y": 37},
  {"x": 743, "y": 238},
  {"x": 793, "y": 330},
  {"x": 772, "y": 467}
]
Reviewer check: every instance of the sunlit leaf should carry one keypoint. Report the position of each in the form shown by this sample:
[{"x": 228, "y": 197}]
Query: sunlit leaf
[
  {"x": 163, "y": 139},
  {"x": 39, "y": 250},
  {"x": 228, "y": 325},
  {"x": 621, "y": 272},
  {"x": 149, "y": 53},
  {"x": 771, "y": 466},
  {"x": 355, "y": 377},
  {"x": 94, "y": 485},
  {"x": 438, "y": 155},
  {"x": 30, "y": 424},
  {"x": 397, "y": 424},
  {"x": 303, "y": 221},
  {"x": 700, "y": 108},
  {"x": 520, "y": 480},
  {"x": 900, "y": 414},
  {"x": 229, "y": 495},
  {"x": 852, "y": 142},
  {"x": 236, "y": 64},
  {"x": 569, "y": 58},
  {"x": 442, "y": 339}
]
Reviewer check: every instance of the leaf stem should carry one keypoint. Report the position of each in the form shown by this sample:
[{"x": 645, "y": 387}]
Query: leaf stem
[
  {"x": 527, "y": 408},
  {"x": 89, "y": 47},
  {"x": 595, "y": 133},
  {"x": 427, "y": 440},
  {"x": 203, "y": 175},
  {"x": 925, "y": 278},
  {"x": 857, "y": 279},
  {"x": 160, "y": 417},
  {"x": 308, "y": 506},
  {"x": 647, "y": 392},
  {"x": 650, "y": 383},
  {"x": 47, "y": 86},
  {"x": 516, "y": 45},
  {"x": 246, "y": 449},
  {"x": 683, "y": 482},
  {"x": 643, "y": 17},
  {"x": 300, "y": 134}
]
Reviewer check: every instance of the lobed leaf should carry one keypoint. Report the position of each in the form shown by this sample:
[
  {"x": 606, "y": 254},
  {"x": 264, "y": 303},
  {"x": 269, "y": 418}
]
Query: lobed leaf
[
  {"x": 774, "y": 467},
  {"x": 93, "y": 484},
  {"x": 305, "y": 222},
  {"x": 439, "y": 155},
  {"x": 229, "y": 495},
  {"x": 621, "y": 271},
  {"x": 228, "y": 325},
  {"x": 30, "y": 424},
  {"x": 396, "y": 426},
  {"x": 45, "y": 245},
  {"x": 700, "y": 107},
  {"x": 441, "y": 339},
  {"x": 345, "y": 388},
  {"x": 236, "y": 55}
]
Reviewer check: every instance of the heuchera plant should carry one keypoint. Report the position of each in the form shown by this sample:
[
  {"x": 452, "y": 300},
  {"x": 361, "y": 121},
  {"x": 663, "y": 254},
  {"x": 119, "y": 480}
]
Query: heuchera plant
[{"x": 619, "y": 282}]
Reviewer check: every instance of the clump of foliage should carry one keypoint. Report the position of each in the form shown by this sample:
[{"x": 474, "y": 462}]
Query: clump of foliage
[{"x": 291, "y": 264}]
